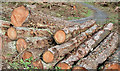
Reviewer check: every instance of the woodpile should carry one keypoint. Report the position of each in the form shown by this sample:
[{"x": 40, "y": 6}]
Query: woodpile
[
  {"x": 100, "y": 54},
  {"x": 86, "y": 47},
  {"x": 113, "y": 61},
  {"x": 72, "y": 46}
]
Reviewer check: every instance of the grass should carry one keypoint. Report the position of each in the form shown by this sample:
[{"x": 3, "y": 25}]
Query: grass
[{"x": 22, "y": 64}]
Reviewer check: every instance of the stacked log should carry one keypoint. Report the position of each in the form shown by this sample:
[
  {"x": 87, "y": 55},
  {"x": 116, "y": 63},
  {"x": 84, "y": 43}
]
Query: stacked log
[
  {"x": 28, "y": 42},
  {"x": 69, "y": 32},
  {"x": 26, "y": 32},
  {"x": 112, "y": 63},
  {"x": 85, "y": 47},
  {"x": 100, "y": 54},
  {"x": 56, "y": 53}
]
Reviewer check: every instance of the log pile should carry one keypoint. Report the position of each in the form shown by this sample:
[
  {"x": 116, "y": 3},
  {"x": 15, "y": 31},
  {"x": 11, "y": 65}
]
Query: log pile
[
  {"x": 72, "y": 46},
  {"x": 113, "y": 61},
  {"x": 85, "y": 47},
  {"x": 100, "y": 54}
]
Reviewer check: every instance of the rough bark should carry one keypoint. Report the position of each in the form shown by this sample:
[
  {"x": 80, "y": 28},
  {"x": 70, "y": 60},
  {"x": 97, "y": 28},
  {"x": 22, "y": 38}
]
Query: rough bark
[
  {"x": 113, "y": 61},
  {"x": 100, "y": 54},
  {"x": 28, "y": 32},
  {"x": 59, "y": 51},
  {"x": 72, "y": 31},
  {"x": 9, "y": 47},
  {"x": 86, "y": 47}
]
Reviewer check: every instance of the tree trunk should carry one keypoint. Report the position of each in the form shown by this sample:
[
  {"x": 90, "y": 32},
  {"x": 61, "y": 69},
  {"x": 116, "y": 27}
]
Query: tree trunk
[
  {"x": 59, "y": 51},
  {"x": 101, "y": 53},
  {"x": 69, "y": 32}
]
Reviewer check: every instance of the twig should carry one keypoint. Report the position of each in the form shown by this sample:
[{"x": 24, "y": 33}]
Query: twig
[{"x": 19, "y": 54}]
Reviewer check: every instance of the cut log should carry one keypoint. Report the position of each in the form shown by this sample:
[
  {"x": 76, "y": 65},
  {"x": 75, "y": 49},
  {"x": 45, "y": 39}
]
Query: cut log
[
  {"x": 12, "y": 34},
  {"x": 9, "y": 46},
  {"x": 21, "y": 44},
  {"x": 26, "y": 32},
  {"x": 79, "y": 68},
  {"x": 113, "y": 61},
  {"x": 85, "y": 48},
  {"x": 42, "y": 26},
  {"x": 100, "y": 54},
  {"x": 19, "y": 15},
  {"x": 65, "y": 34},
  {"x": 112, "y": 67},
  {"x": 60, "y": 51},
  {"x": 34, "y": 52},
  {"x": 27, "y": 55},
  {"x": 38, "y": 64}
]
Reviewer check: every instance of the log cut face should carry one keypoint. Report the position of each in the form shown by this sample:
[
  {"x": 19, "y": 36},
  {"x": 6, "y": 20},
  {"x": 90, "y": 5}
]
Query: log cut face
[
  {"x": 12, "y": 34},
  {"x": 32, "y": 52},
  {"x": 69, "y": 32},
  {"x": 100, "y": 54},
  {"x": 19, "y": 15}
]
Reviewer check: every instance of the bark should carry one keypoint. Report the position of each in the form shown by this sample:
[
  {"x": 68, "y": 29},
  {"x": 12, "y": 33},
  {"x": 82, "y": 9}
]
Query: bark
[
  {"x": 113, "y": 60},
  {"x": 60, "y": 51},
  {"x": 72, "y": 31},
  {"x": 28, "y": 32},
  {"x": 86, "y": 47},
  {"x": 101, "y": 53},
  {"x": 9, "y": 47}
]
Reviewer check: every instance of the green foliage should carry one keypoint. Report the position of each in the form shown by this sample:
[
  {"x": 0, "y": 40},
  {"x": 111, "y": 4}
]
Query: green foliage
[{"x": 22, "y": 64}]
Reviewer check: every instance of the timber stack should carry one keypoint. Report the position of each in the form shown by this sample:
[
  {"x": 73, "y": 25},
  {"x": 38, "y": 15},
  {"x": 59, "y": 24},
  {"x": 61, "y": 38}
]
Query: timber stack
[{"x": 64, "y": 44}]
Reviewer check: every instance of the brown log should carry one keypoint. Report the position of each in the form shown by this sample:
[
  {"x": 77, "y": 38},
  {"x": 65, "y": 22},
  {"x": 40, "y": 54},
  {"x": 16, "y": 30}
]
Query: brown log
[
  {"x": 100, "y": 54},
  {"x": 78, "y": 68},
  {"x": 21, "y": 44},
  {"x": 87, "y": 46},
  {"x": 27, "y": 32},
  {"x": 34, "y": 52},
  {"x": 68, "y": 32},
  {"x": 42, "y": 26},
  {"x": 38, "y": 64},
  {"x": 19, "y": 15},
  {"x": 113, "y": 61},
  {"x": 12, "y": 34},
  {"x": 60, "y": 51},
  {"x": 27, "y": 55},
  {"x": 9, "y": 46}
]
